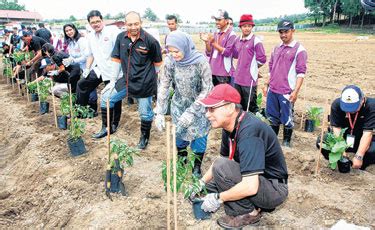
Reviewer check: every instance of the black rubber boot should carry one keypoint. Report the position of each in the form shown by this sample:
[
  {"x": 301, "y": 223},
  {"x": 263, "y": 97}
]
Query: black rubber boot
[
  {"x": 182, "y": 153},
  {"x": 197, "y": 164},
  {"x": 116, "y": 115},
  {"x": 287, "y": 137},
  {"x": 276, "y": 129},
  {"x": 130, "y": 101},
  {"x": 103, "y": 132},
  {"x": 145, "y": 134}
]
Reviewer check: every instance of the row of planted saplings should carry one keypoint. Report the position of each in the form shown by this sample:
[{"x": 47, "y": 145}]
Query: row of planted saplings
[{"x": 69, "y": 111}]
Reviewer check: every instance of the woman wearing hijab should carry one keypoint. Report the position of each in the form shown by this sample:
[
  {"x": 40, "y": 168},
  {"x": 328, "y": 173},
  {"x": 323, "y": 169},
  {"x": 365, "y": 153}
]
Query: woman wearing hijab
[{"x": 190, "y": 72}]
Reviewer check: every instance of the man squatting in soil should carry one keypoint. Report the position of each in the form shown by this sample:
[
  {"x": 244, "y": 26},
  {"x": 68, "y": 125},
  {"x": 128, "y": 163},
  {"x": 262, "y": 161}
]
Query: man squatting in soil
[
  {"x": 287, "y": 68},
  {"x": 251, "y": 173},
  {"x": 355, "y": 112}
]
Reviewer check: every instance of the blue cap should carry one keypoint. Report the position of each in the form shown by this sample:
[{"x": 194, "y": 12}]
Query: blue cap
[{"x": 351, "y": 98}]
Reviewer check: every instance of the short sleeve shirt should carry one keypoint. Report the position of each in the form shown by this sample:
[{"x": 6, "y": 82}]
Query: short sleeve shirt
[
  {"x": 137, "y": 62},
  {"x": 258, "y": 151},
  {"x": 36, "y": 43},
  {"x": 365, "y": 120}
]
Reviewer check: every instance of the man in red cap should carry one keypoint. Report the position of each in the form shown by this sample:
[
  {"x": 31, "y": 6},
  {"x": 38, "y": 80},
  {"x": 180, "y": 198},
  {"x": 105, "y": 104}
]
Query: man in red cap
[
  {"x": 251, "y": 173},
  {"x": 249, "y": 51}
]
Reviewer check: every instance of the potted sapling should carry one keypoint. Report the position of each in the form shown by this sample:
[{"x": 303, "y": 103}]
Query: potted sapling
[
  {"x": 44, "y": 87},
  {"x": 62, "y": 120},
  {"x": 313, "y": 118},
  {"x": 337, "y": 146},
  {"x": 261, "y": 114},
  {"x": 120, "y": 155},
  {"x": 187, "y": 183},
  {"x": 77, "y": 129},
  {"x": 32, "y": 87}
]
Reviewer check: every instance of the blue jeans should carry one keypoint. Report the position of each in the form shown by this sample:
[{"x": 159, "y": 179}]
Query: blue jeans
[
  {"x": 279, "y": 109},
  {"x": 113, "y": 98},
  {"x": 197, "y": 145},
  {"x": 145, "y": 108}
]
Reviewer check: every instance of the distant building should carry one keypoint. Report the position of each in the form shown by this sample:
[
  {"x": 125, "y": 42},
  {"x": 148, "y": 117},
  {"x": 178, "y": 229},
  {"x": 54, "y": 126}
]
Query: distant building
[{"x": 10, "y": 16}]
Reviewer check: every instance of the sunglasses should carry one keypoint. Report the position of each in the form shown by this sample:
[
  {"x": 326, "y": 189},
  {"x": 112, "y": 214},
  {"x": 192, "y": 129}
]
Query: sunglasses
[{"x": 212, "y": 109}]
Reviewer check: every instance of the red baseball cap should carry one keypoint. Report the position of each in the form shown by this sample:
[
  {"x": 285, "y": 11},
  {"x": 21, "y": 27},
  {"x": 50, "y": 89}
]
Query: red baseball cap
[
  {"x": 221, "y": 93},
  {"x": 246, "y": 19}
]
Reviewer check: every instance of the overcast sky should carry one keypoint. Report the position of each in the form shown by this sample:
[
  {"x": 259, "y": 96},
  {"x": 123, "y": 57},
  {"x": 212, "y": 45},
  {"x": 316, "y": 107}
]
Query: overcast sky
[{"x": 192, "y": 10}]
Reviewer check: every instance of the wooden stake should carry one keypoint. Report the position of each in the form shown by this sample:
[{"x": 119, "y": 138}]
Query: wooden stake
[
  {"x": 324, "y": 124},
  {"x": 70, "y": 101},
  {"x": 18, "y": 84},
  {"x": 108, "y": 131},
  {"x": 37, "y": 87},
  {"x": 303, "y": 104},
  {"x": 27, "y": 88},
  {"x": 11, "y": 78},
  {"x": 54, "y": 105},
  {"x": 168, "y": 137},
  {"x": 174, "y": 176}
]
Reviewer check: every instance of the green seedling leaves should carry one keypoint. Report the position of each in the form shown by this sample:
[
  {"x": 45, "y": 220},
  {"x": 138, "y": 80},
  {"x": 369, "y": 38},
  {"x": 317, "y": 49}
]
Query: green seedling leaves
[{"x": 336, "y": 145}]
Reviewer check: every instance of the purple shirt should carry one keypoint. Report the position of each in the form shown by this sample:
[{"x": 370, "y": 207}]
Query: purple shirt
[
  {"x": 222, "y": 63},
  {"x": 250, "y": 52},
  {"x": 286, "y": 64}
]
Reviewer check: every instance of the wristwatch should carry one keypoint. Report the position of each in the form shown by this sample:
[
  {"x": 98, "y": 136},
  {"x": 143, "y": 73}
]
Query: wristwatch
[
  {"x": 358, "y": 157},
  {"x": 217, "y": 196}
]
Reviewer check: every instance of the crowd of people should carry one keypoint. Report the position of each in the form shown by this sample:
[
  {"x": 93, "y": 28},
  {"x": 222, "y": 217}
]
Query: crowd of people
[{"x": 209, "y": 91}]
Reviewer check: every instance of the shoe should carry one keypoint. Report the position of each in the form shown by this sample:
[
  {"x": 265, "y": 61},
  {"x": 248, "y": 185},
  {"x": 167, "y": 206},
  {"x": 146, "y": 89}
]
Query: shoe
[
  {"x": 145, "y": 134},
  {"x": 287, "y": 137},
  {"x": 103, "y": 132},
  {"x": 275, "y": 128},
  {"x": 238, "y": 221}
]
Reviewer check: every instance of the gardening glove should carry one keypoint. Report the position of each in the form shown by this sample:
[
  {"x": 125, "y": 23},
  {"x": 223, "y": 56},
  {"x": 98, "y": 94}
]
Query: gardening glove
[
  {"x": 53, "y": 73},
  {"x": 68, "y": 61},
  {"x": 160, "y": 122},
  {"x": 109, "y": 87},
  {"x": 86, "y": 73},
  {"x": 185, "y": 120},
  {"x": 201, "y": 186},
  {"x": 211, "y": 202}
]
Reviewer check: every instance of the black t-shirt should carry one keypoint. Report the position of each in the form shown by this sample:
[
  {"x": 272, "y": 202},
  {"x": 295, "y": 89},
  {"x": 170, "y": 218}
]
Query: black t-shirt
[
  {"x": 142, "y": 54},
  {"x": 258, "y": 150},
  {"x": 36, "y": 44},
  {"x": 365, "y": 120},
  {"x": 43, "y": 33}
]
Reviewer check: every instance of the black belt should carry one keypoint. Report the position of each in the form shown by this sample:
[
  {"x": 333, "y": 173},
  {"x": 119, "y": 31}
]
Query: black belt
[{"x": 284, "y": 181}]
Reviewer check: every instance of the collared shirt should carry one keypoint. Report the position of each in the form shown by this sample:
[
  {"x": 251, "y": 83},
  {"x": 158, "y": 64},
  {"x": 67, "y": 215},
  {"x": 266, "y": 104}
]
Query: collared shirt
[
  {"x": 222, "y": 62},
  {"x": 36, "y": 43},
  {"x": 138, "y": 60},
  {"x": 79, "y": 51},
  {"x": 250, "y": 52},
  {"x": 257, "y": 150},
  {"x": 286, "y": 64},
  {"x": 100, "y": 46}
]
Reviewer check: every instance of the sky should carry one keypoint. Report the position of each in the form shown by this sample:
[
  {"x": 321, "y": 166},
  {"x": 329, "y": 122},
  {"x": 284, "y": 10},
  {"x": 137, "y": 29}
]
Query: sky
[{"x": 192, "y": 10}]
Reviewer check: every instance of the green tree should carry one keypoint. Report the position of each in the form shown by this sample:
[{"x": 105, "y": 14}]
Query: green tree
[
  {"x": 119, "y": 16},
  {"x": 351, "y": 8},
  {"x": 72, "y": 18},
  {"x": 11, "y": 5},
  {"x": 107, "y": 16},
  {"x": 150, "y": 15}
]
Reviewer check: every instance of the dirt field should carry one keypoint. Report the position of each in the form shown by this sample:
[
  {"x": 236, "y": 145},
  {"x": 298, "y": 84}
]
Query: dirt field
[{"x": 41, "y": 186}]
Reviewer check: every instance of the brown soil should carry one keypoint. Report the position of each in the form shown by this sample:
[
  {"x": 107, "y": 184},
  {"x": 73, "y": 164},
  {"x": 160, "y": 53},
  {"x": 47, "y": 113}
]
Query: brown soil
[{"x": 42, "y": 186}]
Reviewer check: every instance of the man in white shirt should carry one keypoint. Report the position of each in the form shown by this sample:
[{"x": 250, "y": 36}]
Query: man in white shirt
[{"x": 99, "y": 68}]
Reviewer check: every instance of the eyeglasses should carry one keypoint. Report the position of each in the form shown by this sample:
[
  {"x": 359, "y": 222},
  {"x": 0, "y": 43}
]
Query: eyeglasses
[{"x": 212, "y": 109}]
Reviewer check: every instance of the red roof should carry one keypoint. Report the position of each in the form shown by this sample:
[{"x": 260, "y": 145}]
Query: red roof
[{"x": 15, "y": 14}]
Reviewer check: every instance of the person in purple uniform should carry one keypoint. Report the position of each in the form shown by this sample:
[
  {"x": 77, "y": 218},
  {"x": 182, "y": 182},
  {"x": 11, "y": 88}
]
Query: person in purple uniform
[
  {"x": 219, "y": 49},
  {"x": 250, "y": 53},
  {"x": 287, "y": 68}
]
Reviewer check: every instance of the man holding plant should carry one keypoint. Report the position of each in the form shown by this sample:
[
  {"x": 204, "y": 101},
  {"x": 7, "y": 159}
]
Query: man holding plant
[
  {"x": 356, "y": 113},
  {"x": 251, "y": 173}
]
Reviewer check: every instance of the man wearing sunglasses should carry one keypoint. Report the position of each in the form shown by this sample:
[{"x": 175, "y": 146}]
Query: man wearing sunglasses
[{"x": 251, "y": 174}]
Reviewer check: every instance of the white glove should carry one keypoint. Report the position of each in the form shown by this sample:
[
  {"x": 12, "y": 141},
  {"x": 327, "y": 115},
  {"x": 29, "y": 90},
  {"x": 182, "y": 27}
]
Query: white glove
[
  {"x": 53, "y": 73},
  {"x": 68, "y": 61},
  {"x": 86, "y": 73},
  {"x": 185, "y": 120},
  {"x": 197, "y": 190},
  {"x": 160, "y": 122},
  {"x": 211, "y": 203},
  {"x": 109, "y": 87}
]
